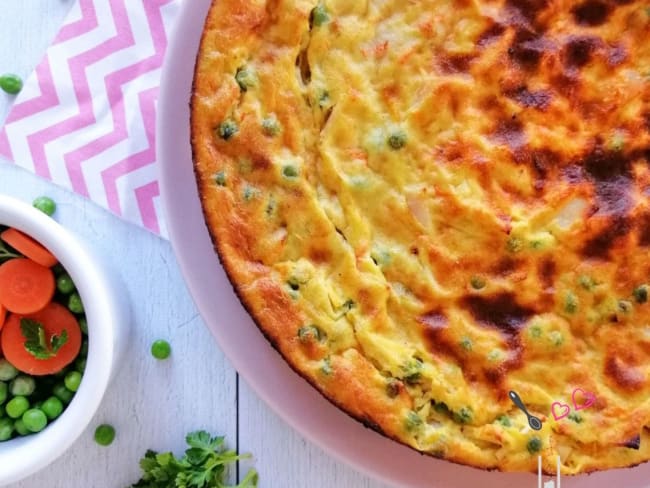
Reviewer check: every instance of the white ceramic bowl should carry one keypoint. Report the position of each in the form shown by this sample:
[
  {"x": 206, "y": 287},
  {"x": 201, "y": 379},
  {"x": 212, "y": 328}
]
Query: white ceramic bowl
[{"x": 107, "y": 312}]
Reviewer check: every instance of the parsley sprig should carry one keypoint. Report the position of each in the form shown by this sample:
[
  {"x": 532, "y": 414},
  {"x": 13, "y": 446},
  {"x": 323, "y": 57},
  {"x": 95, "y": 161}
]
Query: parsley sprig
[
  {"x": 5, "y": 253},
  {"x": 202, "y": 466},
  {"x": 37, "y": 344}
]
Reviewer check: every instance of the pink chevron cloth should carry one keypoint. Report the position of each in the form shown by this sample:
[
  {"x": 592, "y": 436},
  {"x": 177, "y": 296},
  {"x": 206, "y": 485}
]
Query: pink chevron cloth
[{"x": 85, "y": 118}]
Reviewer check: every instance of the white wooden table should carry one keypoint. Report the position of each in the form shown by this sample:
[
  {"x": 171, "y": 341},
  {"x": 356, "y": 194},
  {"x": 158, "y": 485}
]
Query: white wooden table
[{"x": 153, "y": 404}]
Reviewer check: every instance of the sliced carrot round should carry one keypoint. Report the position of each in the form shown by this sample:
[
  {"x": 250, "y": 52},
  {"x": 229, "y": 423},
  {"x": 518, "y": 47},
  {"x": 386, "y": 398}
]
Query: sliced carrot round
[
  {"x": 3, "y": 315},
  {"x": 55, "y": 319},
  {"x": 29, "y": 247},
  {"x": 25, "y": 286}
]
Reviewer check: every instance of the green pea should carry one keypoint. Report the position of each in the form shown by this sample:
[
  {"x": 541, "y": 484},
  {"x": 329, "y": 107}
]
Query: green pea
[
  {"x": 326, "y": 366},
  {"x": 104, "y": 435},
  {"x": 83, "y": 352},
  {"x": 7, "y": 371},
  {"x": 45, "y": 205},
  {"x": 641, "y": 294},
  {"x": 22, "y": 385},
  {"x": 17, "y": 406},
  {"x": 412, "y": 371},
  {"x": 587, "y": 282},
  {"x": 62, "y": 393},
  {"x": 83, "y": 325},
  {"x": 65, "y": 284},
  {"x": 393, "y": 387},
  {"x": 72, "y": 380},
  {"x": 80, "y": 364},
  {"x": 534, "y": 445},
  {"x": 289, "y": 171},
  {"x": 75, "y": 305},
  {"x": 576, "y": 417},
  {"x": 11, "y": 83},
  {"x": 319, "y": 15},
  {"x": 570, "y": 303},
  {"x": 514, "y": 244},
  {"x": 504, "y": 420},
  {"x": 227, "y": 129},
  {"x": 161, "y": 349},
  {"x": 271, "y": 126},
  {"x": 6, "y": 429},
  {"x": 3, "y": 392},
  {"x": 220, "y": 178},
  {"x": 34, "y": 420},
  {"x": 441, "y": 407},
  {"x": 413, "y": 421},
  {"x": 625, "y": 306},
  {"x": 19, "y": 426},
  {"x": 397, "y": 140},
  {"x": 245, "y": 78},
  {"x": 52, "y": 407},
  {"x": 311, "y": 333},
  {"x": 477, "y": 282},
  {"x": 464, "y": 415}
]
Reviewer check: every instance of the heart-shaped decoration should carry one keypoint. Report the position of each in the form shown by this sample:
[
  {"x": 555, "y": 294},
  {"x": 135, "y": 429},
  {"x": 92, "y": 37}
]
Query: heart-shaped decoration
[
  {"x": 587, "y": 397},
  {"x": 563, "y": 410}
]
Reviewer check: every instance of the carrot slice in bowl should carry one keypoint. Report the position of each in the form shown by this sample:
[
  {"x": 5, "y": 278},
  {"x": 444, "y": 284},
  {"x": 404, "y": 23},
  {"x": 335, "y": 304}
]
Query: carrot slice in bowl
[
  {"x": 3, "y": 315},
  {"x": 29, "y": 247},
  {"x": 25, "y": 286},
  {"x": 41, "y": 343}
]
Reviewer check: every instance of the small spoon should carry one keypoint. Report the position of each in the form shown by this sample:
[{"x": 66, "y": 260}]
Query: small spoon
[{"x": 533, "y": 421}]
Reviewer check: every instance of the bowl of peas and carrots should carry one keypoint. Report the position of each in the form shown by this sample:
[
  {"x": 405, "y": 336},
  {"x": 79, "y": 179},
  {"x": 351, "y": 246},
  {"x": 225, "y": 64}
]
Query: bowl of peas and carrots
[{"x": 63, "y": 330}]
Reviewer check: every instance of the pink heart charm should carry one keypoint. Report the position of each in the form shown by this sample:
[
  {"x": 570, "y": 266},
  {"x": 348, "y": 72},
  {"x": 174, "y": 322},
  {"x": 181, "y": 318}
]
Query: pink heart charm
[
  {"x": 588, "y": 399},
  {"x": 564, "y": 410}
]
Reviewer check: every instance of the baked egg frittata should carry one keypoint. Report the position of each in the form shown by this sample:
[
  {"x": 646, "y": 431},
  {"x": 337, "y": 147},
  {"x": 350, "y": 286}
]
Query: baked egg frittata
[{"x": 428, "y": 204}]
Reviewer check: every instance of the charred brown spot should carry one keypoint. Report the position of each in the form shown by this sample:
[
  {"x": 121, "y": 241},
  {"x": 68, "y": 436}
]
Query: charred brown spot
[
  {"x": 624, "y": 375},
  {"x": 602, "y": 243},
  {"x": 456, "y": 63},
  {"x": 547, "y": 270},
  {"x": 500, "y": 311},
  {"x": 644, "y": 229},
  {"x": 591, "y": 13},
  {"x": 261, "y": 161},
  {"x": 579, "y": 49},
  {"x": 511, "y": 133},
  {"x": 505, "y": 266},
  {"x": 435, "y": 320},
  {"x": 527, "y": 48},
  {"x": 371, "y": 424},
  {"x": 320, "y": 255},
  {"x": 633, "y": 443},
  {"x": 535, "y": 99},
  {"x": 491, "y": 34},
  {"x": 527, "y": 9},
  {"x": 616, "y": 55},
  {"x": 435, "y": 324},
  {"x": 611, "y": 174}
]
